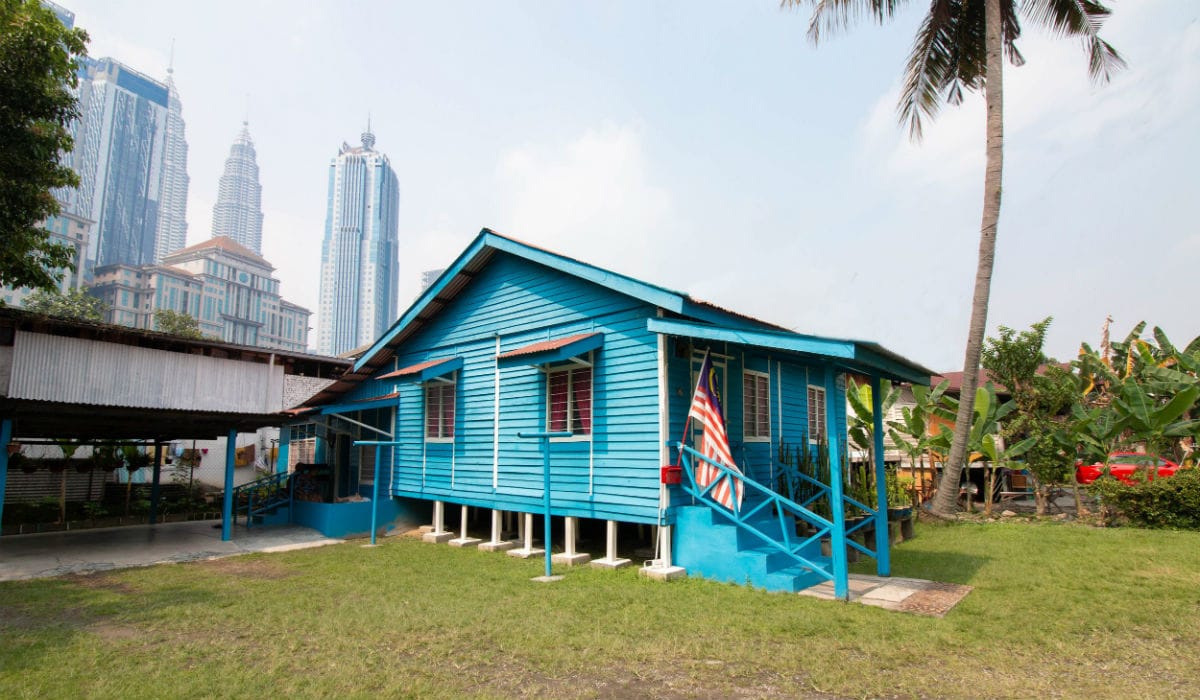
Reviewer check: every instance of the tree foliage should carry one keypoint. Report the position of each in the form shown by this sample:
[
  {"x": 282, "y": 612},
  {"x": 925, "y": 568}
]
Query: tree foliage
[
  {"x": 963, "y": 45},
  {"x": 37, "y": 73},
  {"x": 176, "y": 323},
  {"x": 76, "y": 304}
]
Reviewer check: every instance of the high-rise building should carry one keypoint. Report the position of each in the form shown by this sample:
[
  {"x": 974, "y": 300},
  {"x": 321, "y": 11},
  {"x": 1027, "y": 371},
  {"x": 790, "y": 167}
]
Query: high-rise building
[
  {"x": 428, "y": 277},
  {"x": 227, "y": 287},
  {"x": 172, "y": 215},
  {"x": 120, "y": 147},
  {"x": 65, "y": 229},
  {"x": 238, "y": 211},
  {"x": 359, "y": 262}
]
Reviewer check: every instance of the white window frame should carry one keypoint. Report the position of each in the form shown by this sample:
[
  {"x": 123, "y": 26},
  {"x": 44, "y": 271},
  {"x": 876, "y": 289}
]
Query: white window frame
[
  {"x": 821, "y": 418},
  {"x": 439, "y": 383},
  {"x": 570, "y": 369},
  {"x": 750, "y": 413},
  {"x": 366, "y": 465}
]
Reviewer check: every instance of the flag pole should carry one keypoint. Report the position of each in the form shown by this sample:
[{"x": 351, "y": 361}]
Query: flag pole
[{"x": 687, "y": 424}]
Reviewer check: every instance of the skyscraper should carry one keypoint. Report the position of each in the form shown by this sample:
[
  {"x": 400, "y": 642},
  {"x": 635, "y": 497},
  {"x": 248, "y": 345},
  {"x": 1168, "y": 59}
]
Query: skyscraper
[
  {"x": 359, "y": 253},
  {"x": 172, "y": 216},
  {"x": 120, "y": 143},
  {"x": 238, "y": 211}
]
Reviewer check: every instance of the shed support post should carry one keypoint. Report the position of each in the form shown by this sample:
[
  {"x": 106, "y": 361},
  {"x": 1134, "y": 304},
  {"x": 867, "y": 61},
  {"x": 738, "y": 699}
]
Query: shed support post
[
  {"x": 883, "y": 562},
  {"x": 610, "y": 560},
  {"x": 227, "y": 501},
  {"x": 837, "y": 538},
  {"x": 5, "y": 439},
  {"x": 281, "y": 455},
  {"x": 155, "y": 483}
]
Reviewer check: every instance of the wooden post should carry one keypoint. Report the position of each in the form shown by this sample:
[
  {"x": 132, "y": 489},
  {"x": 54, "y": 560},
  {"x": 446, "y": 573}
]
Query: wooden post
[
  {"x": 5, "y": 438},
  {"x": 837, "y": 538},
  {"x": 883, "y": 561},
  {"x": 155, "y": 480},
  {"x": 227, "y": 501}
]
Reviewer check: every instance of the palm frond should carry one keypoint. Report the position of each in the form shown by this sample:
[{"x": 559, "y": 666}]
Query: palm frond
[
  {"x": 1084, "y": 19},
  {"x": 931, "y": 66},
  {"x": 830, "y": 16}
]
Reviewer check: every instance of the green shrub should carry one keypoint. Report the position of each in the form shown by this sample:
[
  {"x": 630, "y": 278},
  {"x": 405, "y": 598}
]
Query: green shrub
[{"x": 1162, "y": 503}]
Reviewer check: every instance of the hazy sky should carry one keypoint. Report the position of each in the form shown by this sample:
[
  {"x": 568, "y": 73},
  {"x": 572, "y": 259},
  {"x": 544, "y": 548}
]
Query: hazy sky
[{"x": 707, "y": 147}]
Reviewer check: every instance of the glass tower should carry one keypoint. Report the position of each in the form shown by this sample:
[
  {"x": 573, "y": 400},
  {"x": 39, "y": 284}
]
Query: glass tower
[
  {"x": 120, "y": 145},
  {"x": 238, "y": 211},
  {"x": 359, "y": 254}
]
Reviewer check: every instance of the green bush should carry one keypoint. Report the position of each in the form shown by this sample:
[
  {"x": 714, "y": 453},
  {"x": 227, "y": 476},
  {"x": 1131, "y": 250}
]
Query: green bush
[{"x": 1162, "y": 503}]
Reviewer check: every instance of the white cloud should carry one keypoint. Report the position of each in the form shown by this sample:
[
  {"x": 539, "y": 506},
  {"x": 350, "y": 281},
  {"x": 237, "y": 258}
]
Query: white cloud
[{"x": 599, "y": 191}]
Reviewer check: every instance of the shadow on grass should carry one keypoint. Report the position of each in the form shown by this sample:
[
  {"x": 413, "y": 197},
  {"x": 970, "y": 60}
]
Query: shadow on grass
[{"x": 942, "y": 566}]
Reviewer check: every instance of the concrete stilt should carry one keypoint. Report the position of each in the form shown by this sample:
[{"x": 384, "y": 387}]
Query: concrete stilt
[
  {"x": 610, "y": 560},
  {"x": 463, "y": 540},
  {"x": 497, "y": 543},
  {"x": 569, "y": 556},
  {"x": 661, "y": 569},
  {"x": 438, "y": 534},
  {"x": 527, "y": 550}
]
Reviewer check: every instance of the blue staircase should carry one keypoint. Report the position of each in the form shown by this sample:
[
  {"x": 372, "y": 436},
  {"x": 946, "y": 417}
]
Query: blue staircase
[
  {"x": 263, "y": 501},
  {"x": 758, "y": 542},
  {"x": 711, "y": 545}
]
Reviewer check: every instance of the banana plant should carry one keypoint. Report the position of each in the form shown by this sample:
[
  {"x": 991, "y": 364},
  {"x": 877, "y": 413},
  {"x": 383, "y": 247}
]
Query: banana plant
[
  {"x": 862, "y": 413},
  {"x": 912, "y": 432},
  {"x": 1156, "y": 423},
  {"x": 997, "y": 457}
]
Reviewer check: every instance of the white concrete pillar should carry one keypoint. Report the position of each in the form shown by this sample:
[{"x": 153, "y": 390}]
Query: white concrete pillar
[
  {"x": 438, "y": 534},
  {"x": 610, "y": 560},
  {"x": 462, "y": 540},
  {"x": 526, "y": 550},
  {"x": 497, "y": 543},
  {"x": 661, "y": 569},
  {"x": 569, "y": 556}
]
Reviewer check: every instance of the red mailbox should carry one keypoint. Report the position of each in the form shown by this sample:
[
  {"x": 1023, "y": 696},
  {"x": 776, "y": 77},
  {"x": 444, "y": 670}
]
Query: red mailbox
[{"x": 672, "y": 474}]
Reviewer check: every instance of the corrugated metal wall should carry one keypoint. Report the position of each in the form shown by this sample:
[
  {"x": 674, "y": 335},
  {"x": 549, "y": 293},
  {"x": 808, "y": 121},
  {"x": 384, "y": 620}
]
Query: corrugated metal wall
[{"x": 73, "y": 370}]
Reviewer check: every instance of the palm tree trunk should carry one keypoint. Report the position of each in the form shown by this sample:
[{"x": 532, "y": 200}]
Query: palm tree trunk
[{"x": 944, "y": 503}]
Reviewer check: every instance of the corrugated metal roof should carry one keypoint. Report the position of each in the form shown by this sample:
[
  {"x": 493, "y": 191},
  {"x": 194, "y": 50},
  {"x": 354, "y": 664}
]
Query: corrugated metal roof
[
  {"x": 546, "y": 346},
  {"x": 440, "y": 366}
]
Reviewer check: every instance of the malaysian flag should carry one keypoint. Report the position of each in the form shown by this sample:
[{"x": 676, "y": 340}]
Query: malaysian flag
[{"x": 714, "y": 443}]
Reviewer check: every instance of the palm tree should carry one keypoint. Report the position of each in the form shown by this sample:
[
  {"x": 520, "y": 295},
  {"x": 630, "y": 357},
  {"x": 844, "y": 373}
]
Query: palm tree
[{"x": 961, "y": 44}]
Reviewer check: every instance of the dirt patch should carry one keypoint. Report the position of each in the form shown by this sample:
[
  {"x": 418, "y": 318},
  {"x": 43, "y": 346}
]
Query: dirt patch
[
  {"x": 249, "y": 567},
  {"x": 13, "y": 619},
  {"x": 102, "y": 582},
  {"x": 935, "y": 599}
]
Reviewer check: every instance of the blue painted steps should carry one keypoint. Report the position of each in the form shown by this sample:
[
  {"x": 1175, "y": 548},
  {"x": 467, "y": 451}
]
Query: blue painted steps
[{"x": 708, "y": 544}]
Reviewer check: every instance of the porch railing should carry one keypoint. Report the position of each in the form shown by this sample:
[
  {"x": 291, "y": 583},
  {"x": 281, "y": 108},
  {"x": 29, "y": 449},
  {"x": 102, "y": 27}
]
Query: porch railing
[
  {"x": 263, "y": 497},
  {"x": 760, "y": 505}
]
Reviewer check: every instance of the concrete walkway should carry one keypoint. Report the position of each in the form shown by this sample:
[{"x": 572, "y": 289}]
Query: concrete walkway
[
  {"x": 910, "y": 595},
  {"x": 84, "y": 551}
]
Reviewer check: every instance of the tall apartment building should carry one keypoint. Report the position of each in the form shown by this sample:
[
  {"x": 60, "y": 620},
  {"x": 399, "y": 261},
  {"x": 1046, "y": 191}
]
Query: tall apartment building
[
  {"x": 238, "y": 211},
  {"x": 359, "y": 253},
  {"x": 221, "y": 283},
  {"x": 66, "y": 229},
  {"x": 120, "y": 152}
]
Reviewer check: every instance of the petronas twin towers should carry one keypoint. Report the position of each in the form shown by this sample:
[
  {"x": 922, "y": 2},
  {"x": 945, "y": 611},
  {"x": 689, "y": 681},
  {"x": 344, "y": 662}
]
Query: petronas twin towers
[
  {"x": 238, "y": 211},
  {"x": 360, "y": 249}
]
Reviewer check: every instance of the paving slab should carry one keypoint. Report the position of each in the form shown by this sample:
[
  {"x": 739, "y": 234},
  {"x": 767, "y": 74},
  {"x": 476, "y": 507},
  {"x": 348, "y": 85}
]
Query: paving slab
[
  {"x": 910, "y": 595},
  {"x": 102, "y": 549}
]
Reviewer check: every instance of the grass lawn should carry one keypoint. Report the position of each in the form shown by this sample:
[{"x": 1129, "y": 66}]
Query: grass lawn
[{"x": 1057, "y": 611}]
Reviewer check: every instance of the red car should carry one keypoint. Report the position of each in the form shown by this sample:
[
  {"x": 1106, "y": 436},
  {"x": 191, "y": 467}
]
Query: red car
[{"x": 1123, "y": 465}]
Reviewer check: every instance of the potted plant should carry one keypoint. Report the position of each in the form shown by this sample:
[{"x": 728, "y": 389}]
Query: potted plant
[
  {"x": 899, "y": 495},
  {"x": 135, "y": 459},
  {"x": 105, "y": 457},
  {"x": 16, "y": 460}
]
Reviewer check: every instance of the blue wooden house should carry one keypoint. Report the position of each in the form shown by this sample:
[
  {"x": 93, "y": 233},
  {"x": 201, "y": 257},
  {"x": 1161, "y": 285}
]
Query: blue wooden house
[{"x": 516, "y": 339}]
